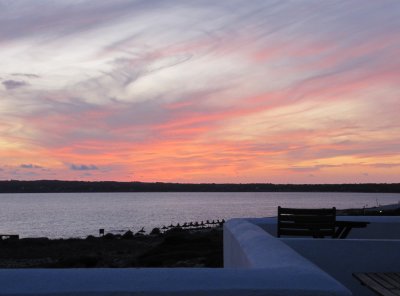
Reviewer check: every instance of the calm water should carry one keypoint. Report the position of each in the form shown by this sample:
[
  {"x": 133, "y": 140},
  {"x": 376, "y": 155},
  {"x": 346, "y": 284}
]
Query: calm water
[{"x": 80, "y": 214}]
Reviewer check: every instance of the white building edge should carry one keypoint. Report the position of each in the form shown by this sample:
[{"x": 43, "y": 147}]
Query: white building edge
[{"x": 255, "y": 263}]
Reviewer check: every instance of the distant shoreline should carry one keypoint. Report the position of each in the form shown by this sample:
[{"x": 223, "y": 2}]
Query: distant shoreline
[{"x": 57, "y": 186}]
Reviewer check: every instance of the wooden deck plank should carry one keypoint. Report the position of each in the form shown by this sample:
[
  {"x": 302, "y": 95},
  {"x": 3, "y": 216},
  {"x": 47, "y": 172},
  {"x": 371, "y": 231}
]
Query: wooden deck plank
[
  {"x": 395, "y": 275},
  {"x": 374, "y": 283},
  {"x": 396, "y": 292},
  {"x": 392, "y": 280},
  {"x": 382, "y": 280}
]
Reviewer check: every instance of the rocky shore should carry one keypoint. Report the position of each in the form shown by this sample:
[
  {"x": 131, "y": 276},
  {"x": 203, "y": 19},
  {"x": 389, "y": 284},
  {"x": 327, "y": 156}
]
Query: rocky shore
[{"x": 174, "y": 248}]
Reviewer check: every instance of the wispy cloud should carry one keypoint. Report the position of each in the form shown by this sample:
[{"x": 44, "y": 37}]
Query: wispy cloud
[
  {"x": 13, "y": 84},
  {"x": 201, "y": 91},
  {"x": 27, "y": 75},
  {"x": 386, "y": 165},
  {"x": 30, "y": 166},
  {"x": 311, "y": 168},
  {"x": 83, "y": 167}
]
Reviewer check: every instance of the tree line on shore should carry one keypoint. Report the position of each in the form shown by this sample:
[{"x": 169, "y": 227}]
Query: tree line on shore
[{"x": 55, "y": 186}]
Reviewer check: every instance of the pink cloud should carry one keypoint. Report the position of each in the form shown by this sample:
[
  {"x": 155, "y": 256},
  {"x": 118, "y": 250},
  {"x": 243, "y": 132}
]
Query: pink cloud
[{"x": 256, "y": 92}]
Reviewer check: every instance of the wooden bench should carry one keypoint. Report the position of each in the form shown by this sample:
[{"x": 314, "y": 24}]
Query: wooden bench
[
  {"x": 9, "y": 236},
  {"x": 382, "y": 283},
  {"x": 317, "y": 223}
]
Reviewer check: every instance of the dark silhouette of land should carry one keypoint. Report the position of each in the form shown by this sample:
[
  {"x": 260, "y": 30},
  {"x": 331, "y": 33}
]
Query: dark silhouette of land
[
  {"x": 174, "y": 248},
  {"x": 54, "y": 186}
]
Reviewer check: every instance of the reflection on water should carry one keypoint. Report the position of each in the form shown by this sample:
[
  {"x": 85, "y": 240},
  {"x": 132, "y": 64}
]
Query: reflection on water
[{"x": 81, "y": 214}]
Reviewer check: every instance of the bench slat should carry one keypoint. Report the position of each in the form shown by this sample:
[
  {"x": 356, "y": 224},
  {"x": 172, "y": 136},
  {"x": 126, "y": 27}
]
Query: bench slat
[
  {"x": 307, "y": 218},
  {"x": 305, "y": 226},
  {"x": 296, "y": 211},
  {"x": 306, "y": 222}
]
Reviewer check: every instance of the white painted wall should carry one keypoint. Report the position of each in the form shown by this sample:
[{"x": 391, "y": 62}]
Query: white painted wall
[
  {"x": 374, "y": 248},
  {"x": 342, "y": 257},
  {"x": 248, "y": 246},
  {"x": 148, "y": 282},
  {"x": 261, "y": 265}
]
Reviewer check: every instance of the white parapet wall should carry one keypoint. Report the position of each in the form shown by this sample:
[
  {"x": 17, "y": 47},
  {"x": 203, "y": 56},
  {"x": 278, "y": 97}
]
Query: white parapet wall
[
  {"x": 248, "y": 246},
  {"x": 371, "y": 249},
  {"x": 343, "y": 257},
  {"x": 256, "y": 264},
  {"x": 154, "y": 282}
]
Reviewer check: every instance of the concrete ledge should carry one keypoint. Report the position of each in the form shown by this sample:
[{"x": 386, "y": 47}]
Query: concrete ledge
[
  {"x": 246, "y": 245},
  {"x": 260, "y": 265},
  {"x": 341, "y": 258},
  {"x": 371, "y": 249},
  {"x": 115, "y": 282}
]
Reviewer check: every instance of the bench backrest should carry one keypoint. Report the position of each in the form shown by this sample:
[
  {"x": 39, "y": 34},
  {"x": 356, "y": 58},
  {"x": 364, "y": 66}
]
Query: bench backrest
[{"x": 306, "y": 222}]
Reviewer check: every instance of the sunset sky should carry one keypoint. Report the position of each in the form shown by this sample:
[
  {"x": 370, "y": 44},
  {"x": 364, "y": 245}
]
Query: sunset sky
[{"x": 200, "y": 91}]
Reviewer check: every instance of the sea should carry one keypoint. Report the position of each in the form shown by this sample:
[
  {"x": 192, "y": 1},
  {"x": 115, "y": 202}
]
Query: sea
[{"x": 68, "y": 215}]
